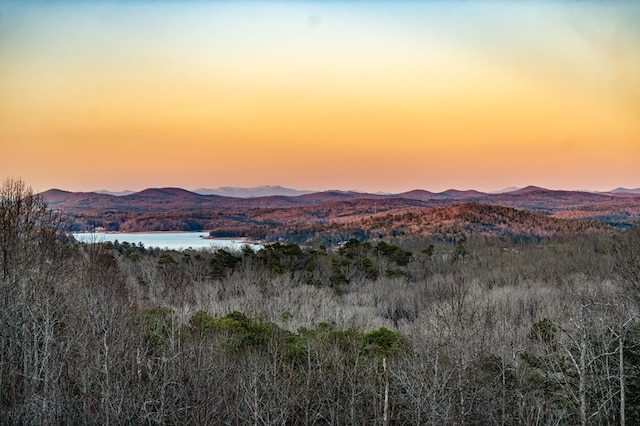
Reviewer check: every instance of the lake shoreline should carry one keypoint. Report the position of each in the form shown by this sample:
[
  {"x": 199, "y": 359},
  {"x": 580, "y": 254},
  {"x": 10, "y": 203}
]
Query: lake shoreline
[
  {"x": 208, "y": 237},
  {"x": 172, "y": 240}
]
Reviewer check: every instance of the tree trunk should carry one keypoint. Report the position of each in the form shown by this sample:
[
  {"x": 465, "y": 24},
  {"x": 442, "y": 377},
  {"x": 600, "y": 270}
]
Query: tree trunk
[
  {"x": 582, "y": 391},
  {"x": 621, "y": 375},
  {"x": 385, "y": 414}
]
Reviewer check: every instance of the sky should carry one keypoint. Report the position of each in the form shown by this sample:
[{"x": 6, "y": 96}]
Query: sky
[{"x": 367, "y": 95}]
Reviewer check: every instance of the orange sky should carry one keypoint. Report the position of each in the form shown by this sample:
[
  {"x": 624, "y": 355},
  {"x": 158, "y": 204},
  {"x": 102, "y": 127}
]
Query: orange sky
[{"x": 375, "y": 96}]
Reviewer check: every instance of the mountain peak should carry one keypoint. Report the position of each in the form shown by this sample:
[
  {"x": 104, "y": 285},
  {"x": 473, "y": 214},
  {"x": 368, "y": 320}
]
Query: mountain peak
[
  {"x": 155, "y": 192},
  {"x": 529, "y": 189}
]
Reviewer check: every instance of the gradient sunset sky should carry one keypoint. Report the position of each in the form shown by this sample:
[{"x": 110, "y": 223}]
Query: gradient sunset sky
[{"x": 367, "y": 95}]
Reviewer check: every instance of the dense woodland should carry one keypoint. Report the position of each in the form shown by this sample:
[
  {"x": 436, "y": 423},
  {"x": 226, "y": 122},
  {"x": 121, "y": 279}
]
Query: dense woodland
[{"x": 392, "y": 330}]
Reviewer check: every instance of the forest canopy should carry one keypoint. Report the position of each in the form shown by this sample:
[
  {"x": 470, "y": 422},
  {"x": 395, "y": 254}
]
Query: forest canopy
[{"x": 392, "y": 331}]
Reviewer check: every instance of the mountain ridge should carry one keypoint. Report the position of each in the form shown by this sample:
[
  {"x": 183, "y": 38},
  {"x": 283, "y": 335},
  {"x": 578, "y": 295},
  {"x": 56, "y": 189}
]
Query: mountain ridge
[
  {"x": 167, "y": 198},
  {"x": 251, "y": 192},
  {"x": 271, "y": 190}
]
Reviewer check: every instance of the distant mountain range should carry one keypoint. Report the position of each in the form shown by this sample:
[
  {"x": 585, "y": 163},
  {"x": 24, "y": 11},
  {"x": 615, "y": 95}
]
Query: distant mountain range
[
  {"x": 303, "y": 216},
  {"x": 228, "y": 191},
  {"x": 116, "y": 193},
  {"x": 153, "y": 200},
  {"x": 254, "y": 192},
  {"x": 274, "y": 190},
  {"x": 625, "y": 191}
]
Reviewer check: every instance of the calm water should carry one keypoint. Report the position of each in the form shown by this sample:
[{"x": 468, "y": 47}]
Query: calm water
[{"x": 167, "y": 240}]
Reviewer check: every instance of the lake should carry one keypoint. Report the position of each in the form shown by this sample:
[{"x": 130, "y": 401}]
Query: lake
[{"x": 168, "y": 240}]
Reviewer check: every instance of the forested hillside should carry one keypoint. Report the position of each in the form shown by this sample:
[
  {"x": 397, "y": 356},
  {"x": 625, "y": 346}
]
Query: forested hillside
[{"x": 398, "y": 329}]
